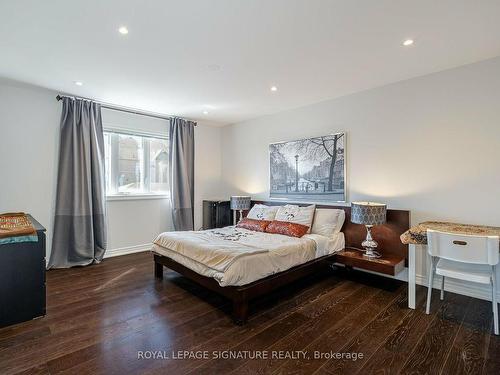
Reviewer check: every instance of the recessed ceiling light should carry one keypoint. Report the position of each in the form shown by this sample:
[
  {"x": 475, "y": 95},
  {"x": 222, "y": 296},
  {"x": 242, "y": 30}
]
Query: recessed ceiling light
[
  {"x": 205, "y": 112},
  {"x": 123, "y": 30},
  {"x": 274, "y": 88},
  {"x": 408, "y": 42},
  {"x": 79, "y": 83}
]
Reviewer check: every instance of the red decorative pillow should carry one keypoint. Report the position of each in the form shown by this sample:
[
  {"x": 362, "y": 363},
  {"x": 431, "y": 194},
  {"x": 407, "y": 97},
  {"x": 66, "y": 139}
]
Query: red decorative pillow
[
  {"x": 286, "y": 228},
  {"x": 252, "y": 224}
]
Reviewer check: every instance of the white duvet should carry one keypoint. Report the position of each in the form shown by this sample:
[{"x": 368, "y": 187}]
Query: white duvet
[{"x": 236, "y": 256}]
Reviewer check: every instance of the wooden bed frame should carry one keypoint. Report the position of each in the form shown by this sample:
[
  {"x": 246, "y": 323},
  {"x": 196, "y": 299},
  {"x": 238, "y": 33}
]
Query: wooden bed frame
[{"x": 387, "y": 235}]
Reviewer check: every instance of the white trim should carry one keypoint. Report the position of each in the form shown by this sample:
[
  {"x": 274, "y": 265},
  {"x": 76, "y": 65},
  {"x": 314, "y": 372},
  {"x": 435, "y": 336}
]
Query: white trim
[
  {"x": 481, "y": 291},
  {"x": 133, "y": 197},
  {"x": 127, "y": 250},
  {"x": 451, "y": 285}
]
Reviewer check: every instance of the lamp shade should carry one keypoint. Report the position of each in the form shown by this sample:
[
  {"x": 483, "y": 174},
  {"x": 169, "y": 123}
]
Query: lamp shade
[
  {"x": 240, "y": 202},
  {"x": 368, "y": 213}
]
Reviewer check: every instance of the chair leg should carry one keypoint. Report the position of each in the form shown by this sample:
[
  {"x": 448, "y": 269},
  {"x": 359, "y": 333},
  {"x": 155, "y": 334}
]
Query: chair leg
[
  {"x": 429, "y": 287},
  {"x": 494, "y": 300},
  {"x": 442, "y": 288}
]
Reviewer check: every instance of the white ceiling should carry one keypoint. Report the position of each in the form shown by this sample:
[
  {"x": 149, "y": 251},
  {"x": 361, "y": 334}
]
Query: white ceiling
[{"x": 311, "y": 50}]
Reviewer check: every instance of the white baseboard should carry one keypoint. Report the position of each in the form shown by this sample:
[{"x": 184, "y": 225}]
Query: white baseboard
[
  {"x": 127, "y": 250},
  {"x": 481, "y": 291}
]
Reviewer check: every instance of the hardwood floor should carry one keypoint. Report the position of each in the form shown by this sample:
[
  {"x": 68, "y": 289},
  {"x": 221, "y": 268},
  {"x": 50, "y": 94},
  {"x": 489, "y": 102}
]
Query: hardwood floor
[{"x": 103, "y": 319}]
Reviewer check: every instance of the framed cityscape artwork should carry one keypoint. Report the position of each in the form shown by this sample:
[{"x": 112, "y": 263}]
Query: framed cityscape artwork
[{"x": 311, "y": 169}]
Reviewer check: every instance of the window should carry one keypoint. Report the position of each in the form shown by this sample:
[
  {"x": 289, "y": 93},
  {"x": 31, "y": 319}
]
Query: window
[{"x": 135, "y": 164}]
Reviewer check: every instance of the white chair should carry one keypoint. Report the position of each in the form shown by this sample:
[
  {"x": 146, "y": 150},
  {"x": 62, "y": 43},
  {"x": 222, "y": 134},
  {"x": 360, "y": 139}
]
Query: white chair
[{"x": 465, "y": 257}]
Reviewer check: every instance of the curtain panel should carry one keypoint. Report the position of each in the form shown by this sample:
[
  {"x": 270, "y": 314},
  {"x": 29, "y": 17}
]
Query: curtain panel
[
  {"x": 80, "y": 227},
  {"x": 181, "y": 172}
]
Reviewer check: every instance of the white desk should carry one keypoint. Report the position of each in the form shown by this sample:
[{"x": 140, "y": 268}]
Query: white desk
[{"x": 417, "y": 235}]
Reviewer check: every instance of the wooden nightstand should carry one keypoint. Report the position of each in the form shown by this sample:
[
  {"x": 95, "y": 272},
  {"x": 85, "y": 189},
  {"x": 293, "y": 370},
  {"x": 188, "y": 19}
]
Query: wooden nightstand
[{"x": 387, "y": 264}]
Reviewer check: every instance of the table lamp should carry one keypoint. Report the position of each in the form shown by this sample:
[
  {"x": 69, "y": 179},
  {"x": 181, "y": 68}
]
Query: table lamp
[
  {"x": 369, "y": 214},
  {"x": 240, "y": 203}
]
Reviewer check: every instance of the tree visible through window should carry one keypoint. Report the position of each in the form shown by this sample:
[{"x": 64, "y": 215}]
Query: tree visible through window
[{"x": 135, "y": 164}]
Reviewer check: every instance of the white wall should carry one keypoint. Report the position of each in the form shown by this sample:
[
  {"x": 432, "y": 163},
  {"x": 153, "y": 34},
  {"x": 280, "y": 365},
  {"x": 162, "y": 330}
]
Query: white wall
[
  {"x": 430, "y": 145},
  {"x": 29, "y": 133},
  {"x": 29, "y": 136},
  {"x": 135, "y": 223}
]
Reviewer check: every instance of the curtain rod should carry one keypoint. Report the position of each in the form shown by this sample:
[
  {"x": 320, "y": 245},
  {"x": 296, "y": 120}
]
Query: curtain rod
[{"x": 122, "y": 108}]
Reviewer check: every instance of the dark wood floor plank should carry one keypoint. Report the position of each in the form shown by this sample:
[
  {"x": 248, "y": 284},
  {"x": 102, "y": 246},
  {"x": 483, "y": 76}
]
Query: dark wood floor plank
[
  {"x": 469, "y": 350},
  {"x": 162, "y": 338},
  {"x": 157, "y": 336},
  {"x": 291, "y": 325},
  {"x": 258, "y": 332},
  {"x": 268, "y": 315},
  {"x": 269, "y": 310},
  {"x": 99, "y": 317},
  {"x": 492, "y": 361},
  {"x": 319, "y": 321},
  {"x": 117, "y": 320},
  {"x": 391, "y": 355},
  {"x": 95, "y": 280},
  {"x": 133, "y": 314},
  {"x": 369, "y": 339},
  {"x": 36, "y": 370},
  {"x": 72, "y": 340},
  {"x": 338, "y": 336},
  {"x": 60, "y": 299},
  {"x": 118, "y": 309},
  {"x": 431, "y": 352},
  {"x": 91, "y": 307},
  {"x": 24, "y": 337}
]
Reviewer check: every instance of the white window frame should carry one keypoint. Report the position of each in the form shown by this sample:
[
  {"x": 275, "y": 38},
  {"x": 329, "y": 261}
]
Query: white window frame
[{"x": 114, "y": 165}]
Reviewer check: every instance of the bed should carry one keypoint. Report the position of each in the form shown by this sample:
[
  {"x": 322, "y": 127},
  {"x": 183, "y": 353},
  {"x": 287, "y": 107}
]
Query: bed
[
  {"x": 243, "y": 264},
  {"x": 256, "y": 255}
]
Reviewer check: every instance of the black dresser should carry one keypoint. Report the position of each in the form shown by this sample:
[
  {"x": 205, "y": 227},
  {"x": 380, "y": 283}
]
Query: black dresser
[
  {"x": 216, "y": 214},
  {"x": 22, "y": 279}
]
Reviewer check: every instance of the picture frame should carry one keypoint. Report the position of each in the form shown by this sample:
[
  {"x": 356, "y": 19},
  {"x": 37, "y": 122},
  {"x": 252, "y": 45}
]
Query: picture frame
[{"x": 310, "y": 169}]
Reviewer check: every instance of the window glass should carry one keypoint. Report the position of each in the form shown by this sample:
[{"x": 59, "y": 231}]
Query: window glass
[
  {"x": 135, "y": 164},
  {"x": 158, "y": 164},
  {"x": 130, "y": 164}
]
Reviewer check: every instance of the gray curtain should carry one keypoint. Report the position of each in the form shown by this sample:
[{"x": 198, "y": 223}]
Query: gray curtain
[
  {"x": 80, "y": 219},
  {"x": 181, "y": 176}
]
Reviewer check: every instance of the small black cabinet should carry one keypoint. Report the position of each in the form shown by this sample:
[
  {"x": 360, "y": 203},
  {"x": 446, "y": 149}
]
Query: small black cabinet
[
  {"x": 22, "y": 279},
  {"x": 216, "y": 214}
]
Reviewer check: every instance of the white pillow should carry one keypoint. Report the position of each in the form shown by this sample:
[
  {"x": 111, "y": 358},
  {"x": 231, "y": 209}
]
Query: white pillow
[
  {"x": 262, "y": 212},
  {"x": 295, "y": 214},
  {"x": 328, "y": 221}
]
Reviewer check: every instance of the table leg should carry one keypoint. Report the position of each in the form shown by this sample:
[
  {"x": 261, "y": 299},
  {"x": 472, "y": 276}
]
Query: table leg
[{"x": 411, "y": 277}]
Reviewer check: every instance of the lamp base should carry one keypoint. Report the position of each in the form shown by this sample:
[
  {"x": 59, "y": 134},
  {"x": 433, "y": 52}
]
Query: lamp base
[
  {"x": 370, "y": 245},
  {"x": 371, "y": 254},
  {"x": 235, "y": 216}
]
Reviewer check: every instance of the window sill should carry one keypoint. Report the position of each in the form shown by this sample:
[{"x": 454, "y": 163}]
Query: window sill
[{"x": 134, "y": 197}]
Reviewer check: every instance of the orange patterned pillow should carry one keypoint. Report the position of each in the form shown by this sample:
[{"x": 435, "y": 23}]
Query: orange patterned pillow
[
  {"x": 253, "y": 224},
  {"x": 286, "y": 228}
]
